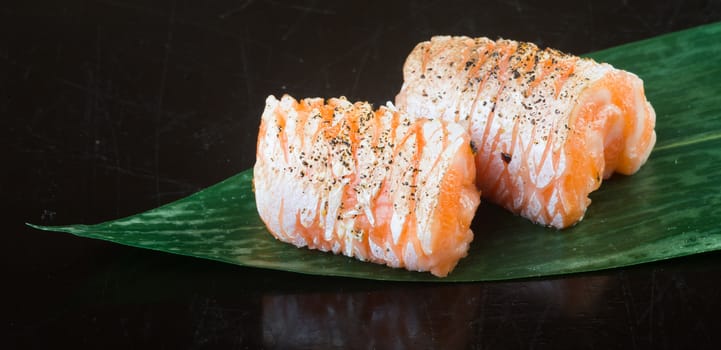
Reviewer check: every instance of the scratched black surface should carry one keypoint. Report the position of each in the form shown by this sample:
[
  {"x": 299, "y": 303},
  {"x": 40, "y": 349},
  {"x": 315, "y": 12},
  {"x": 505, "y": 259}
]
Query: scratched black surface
[{"x": 112, "y": 107}]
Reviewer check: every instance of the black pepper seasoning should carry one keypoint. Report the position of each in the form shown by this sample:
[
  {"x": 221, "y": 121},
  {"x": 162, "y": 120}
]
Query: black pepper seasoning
[{"x": 506, "y": 157}]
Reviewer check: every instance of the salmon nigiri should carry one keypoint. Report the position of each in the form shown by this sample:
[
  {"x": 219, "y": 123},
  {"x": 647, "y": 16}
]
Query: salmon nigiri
[
  {"x": 374, "y": 185},
  {"x": 547, "y": 126}
]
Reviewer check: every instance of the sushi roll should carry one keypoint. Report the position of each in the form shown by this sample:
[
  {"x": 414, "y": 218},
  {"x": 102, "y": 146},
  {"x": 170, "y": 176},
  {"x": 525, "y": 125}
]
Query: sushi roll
[
  {"x": 378, "y": 186},
  {"x": 548, "y": 127}
]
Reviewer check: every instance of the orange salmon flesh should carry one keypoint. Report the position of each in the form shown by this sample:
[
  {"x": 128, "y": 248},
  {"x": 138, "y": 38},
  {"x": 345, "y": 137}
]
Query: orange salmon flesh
[
  {"x": 377, "y": 185},
  {"x": 548, "y": 127}
]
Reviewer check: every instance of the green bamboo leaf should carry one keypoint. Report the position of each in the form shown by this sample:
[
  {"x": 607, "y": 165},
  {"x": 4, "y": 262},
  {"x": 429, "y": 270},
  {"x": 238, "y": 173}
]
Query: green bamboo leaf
[{"x": 670, "y": 208}]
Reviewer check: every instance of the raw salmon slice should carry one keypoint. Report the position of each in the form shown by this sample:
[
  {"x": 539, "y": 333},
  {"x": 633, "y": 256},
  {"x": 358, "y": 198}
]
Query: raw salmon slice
[
  {"x": 548, "y": 127},
  {"x": 374, "y": 185}
]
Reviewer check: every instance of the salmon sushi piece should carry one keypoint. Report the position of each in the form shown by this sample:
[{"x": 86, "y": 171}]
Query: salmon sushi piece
[
  {"x": 378, "y": 186},
  {"x": 548, "y": 127}
]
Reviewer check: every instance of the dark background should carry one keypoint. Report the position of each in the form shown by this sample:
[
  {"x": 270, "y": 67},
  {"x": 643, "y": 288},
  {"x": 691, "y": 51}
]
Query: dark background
[{"x": 112, "y": 107}]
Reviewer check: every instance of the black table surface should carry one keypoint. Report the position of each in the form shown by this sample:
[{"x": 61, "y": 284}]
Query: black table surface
[{"x": 112, "y": 107}]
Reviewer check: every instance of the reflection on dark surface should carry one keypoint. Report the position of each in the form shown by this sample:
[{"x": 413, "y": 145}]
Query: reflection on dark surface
[
  {"x": 142, "y": 298},
  {"x": 401, "y": 318},
  {"x": 398, "y": 319}
]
